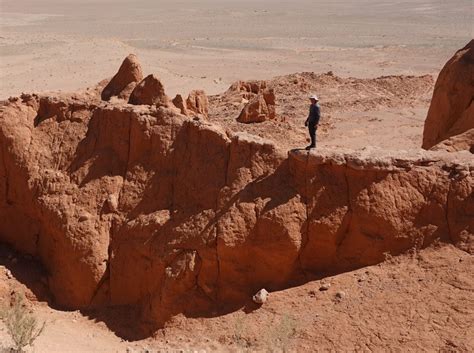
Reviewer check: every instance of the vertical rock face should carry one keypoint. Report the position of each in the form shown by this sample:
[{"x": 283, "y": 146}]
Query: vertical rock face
[
  {"x": 460, "y": 211},
  {"x": 136, "y": 205},
  {"x": 39, "y": 210},
  {"x": 125, "y": 80},
  {"x": 363, "y": 207},
  {"x": 140, "y": 206},
  {"x": 452, "y": 108}
]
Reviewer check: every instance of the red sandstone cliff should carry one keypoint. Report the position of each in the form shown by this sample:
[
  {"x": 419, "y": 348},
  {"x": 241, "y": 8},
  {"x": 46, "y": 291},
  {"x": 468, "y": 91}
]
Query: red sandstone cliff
[{"x": 140, "y": 205}]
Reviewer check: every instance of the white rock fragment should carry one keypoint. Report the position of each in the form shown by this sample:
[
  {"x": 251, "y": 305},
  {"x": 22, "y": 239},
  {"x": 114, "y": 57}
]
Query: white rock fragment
[
  {"x": 112, "y": 202},
  {"x": 261, "y": 296},
  {"x": 325, "y": 287}
]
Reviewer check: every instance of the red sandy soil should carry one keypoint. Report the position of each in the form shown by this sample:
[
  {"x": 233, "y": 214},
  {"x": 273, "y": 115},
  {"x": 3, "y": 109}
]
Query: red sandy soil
[
  {"x": 415, "y": 302},
  {"x": 386, "y": 111}
]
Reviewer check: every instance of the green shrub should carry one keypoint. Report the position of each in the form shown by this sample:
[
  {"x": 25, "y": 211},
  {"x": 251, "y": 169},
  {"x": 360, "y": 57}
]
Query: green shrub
[{"x": 22, "y": 327}]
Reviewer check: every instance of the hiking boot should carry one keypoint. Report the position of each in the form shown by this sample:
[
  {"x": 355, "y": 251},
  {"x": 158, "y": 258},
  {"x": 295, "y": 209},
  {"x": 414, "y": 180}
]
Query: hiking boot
[{"x": 310, "y": 146}]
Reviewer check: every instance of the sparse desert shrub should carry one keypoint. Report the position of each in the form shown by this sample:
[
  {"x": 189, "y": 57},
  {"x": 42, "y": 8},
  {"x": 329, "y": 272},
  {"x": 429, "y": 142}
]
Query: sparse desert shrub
[
  {"x": 22, "y": 326},
  {"x": 279, "y": 335},
  {"x": 274, "y": 337},
  {"x": 239, "y": 334}
]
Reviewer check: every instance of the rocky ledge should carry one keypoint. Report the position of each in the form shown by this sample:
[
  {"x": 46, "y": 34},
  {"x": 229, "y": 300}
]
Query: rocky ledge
[{"x": 144, "y": 207}]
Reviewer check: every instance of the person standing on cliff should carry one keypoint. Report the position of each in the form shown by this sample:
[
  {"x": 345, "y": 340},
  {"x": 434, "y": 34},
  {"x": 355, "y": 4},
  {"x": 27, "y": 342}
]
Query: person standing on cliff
[{"x": 313, "y": 120}]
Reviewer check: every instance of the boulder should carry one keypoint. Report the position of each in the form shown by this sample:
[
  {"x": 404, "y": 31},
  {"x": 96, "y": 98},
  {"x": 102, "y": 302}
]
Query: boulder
[
  {"x": 125, "y": 80},
  {"x": 198, "y": 103},
  {"x": 452, "y": 107},
  {"x": 260, "y": 297},
  {"x": 260, "y": 108},
  {"x": 149, "y": 91}
]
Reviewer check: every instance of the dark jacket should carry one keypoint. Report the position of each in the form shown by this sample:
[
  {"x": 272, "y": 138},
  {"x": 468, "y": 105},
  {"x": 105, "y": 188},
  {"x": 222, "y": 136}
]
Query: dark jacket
[{"x": 314, "y": 114}]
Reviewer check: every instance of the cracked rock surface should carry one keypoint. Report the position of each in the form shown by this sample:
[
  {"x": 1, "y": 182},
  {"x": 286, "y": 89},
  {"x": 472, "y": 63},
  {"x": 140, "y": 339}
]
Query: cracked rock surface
[{"x": 139, "y": 205}]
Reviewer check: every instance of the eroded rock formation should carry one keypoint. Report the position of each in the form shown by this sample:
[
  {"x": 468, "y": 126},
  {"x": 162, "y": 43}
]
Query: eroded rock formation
[
  {"x": 452, "y": 107},
  {"x": 197, "y": 103},
  {"x": 141, "y": 206},
  {"x": 254, "y": 87},
  {"x": 136, "y": 205},
  {"x": 260, "y": 108},
  {"x": 125, "y": 80},
  {"x": 149, "y": 91},
  {"x": 179, "y": 102}
]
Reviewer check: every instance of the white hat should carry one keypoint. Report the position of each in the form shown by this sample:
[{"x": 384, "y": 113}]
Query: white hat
[{"x": 315, "y": 97}]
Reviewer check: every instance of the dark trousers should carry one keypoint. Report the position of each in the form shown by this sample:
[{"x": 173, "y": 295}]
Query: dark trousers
[{"x": 312, "y": 133}]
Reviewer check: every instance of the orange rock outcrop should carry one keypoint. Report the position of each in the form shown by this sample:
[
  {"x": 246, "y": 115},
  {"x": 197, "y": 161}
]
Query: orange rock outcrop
[
  {"x": 149, "y": 91},
  {"x": 260, "y": 108},
  {"x": 125, "y": 80},
  {"x": 138, "y": 205},
  {"x": 452, "y": 109},
  {"x": 197, "y": 103}
]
